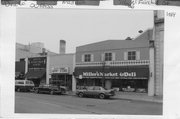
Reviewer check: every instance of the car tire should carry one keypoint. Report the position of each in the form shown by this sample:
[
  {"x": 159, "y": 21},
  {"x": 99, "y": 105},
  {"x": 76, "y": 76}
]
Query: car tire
[
  {"x": 52, "y": 92},
  {"x": 101, "y": 96},
  {"x": 80, "y": 95}
]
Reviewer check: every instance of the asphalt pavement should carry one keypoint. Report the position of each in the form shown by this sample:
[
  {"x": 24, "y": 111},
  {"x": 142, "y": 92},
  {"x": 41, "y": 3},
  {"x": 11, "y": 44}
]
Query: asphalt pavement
[{"x": 64, "y": 104}]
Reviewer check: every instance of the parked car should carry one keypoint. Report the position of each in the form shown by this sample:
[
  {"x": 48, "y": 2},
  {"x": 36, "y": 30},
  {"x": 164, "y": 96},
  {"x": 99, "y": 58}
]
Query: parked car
[
  {"x": 95, "y": 91},
  {"x": 51, "y": 89},
  {"x": 23, "y": 85}
]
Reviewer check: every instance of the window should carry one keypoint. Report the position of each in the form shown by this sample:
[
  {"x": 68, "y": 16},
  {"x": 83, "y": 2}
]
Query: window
[
  {"x": 132, "y": 55},
  {"x": 108, "y": 57},
  {"x": 21, "y": 82},
  {"x": 87, "y": 57},
  {"x": 90, "y": 88},
  {"x": 96, "y": 88}
]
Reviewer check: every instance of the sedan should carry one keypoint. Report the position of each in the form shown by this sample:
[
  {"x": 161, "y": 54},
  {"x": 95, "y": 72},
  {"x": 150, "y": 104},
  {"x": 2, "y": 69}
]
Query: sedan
[{"x": 95, "y": 91}]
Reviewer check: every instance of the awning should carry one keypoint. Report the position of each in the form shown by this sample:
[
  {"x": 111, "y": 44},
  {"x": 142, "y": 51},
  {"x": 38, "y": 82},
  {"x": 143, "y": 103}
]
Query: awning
[
  {"x": 34, "y": 74},
  {"x": 116, "y": 72}
]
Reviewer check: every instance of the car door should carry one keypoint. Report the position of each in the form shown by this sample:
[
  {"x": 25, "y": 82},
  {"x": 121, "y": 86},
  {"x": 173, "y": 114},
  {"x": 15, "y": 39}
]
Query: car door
[
  {"x": 89, "y": 91},
  {"x": 47, "y": 89},
  {"x": 96, "y": 91}
]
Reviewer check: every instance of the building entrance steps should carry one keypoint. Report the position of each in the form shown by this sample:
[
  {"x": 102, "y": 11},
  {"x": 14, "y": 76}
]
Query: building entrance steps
[{"x": 133, "y": 96}]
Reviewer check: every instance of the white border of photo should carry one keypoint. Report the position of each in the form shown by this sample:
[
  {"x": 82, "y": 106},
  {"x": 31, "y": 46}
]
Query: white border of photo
[{"x": 171, "y": 97}]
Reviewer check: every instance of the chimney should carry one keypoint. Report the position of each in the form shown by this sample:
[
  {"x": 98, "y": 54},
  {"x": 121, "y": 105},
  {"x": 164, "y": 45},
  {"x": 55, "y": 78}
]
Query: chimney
[
  {"x": 128, "y": 38},
  {"x": 62, "y": 47}
]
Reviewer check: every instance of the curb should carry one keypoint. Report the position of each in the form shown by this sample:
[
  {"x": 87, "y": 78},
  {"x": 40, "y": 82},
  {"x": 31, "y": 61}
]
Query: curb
[
  {"x": 133, "y": 99},
  {"x": 144, "y": 100}
]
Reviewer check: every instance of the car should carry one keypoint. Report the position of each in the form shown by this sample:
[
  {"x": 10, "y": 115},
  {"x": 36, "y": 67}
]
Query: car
[
  {"x": 23, "y": 85},
  {"x": 50, "y": 89},
  {"x": 95, "y": 91}
]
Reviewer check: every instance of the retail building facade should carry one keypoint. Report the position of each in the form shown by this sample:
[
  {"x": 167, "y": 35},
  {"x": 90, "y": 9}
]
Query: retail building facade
[
  {"x": 60, "y": 70},
  {"x": 52, "y": 69},
  {"x": 124, "y": 64}
]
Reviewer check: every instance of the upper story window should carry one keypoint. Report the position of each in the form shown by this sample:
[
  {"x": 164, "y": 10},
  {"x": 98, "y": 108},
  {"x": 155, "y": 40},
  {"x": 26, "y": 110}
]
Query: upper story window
[
  {"x": 108, "y": 57},
  {"x": 87, "y": 58},
  {"x": 132, "y": 55}
]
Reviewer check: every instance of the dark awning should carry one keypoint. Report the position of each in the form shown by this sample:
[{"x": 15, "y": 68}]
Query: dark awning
[
  {"x": 116, "y": 72},
  {"x": 34, "y": 74},
  {"x": 17, "y": 74}
]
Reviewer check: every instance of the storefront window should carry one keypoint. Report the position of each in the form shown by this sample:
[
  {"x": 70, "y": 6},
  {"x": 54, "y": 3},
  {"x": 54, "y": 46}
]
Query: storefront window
[
  {"x": 87, "y": 57},
  {"x": 132, "y": 55},
  {"x": 108, "y": 56}
]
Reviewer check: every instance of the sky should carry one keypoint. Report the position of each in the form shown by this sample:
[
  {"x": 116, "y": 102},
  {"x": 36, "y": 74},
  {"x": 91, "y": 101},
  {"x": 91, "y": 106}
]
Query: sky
[{"x": 78, "y": 26}]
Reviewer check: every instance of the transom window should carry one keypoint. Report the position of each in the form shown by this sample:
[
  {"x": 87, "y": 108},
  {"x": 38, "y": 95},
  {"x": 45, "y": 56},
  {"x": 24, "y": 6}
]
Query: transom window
[
  {"x": 132, "y": 55},
  {"x": 87, "y": 57},
  {"x": 108, "y": 56}
]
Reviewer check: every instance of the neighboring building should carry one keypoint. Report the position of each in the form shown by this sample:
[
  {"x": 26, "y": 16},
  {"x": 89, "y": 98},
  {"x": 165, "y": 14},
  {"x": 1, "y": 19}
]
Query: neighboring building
[
  {"x": 50, "y": 68},
  {"x": 32, "y": 50},
  {"x": 53, "y": 69},
  {"x": 60, "y": 70},
  {"x": 19, "y": 69},
  {"x": 36, "y": 70},
  {"x": 24, "y": 52},
  {"x": 116, "y": 63},
  {"x": 159, "y": 51}
]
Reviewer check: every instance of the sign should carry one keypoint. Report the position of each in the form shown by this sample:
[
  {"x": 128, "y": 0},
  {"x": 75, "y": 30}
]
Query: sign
[
  {"x": 37, "y": 62},
  {"x": 62, "y": 70},
  {"x": 110, "y": 74},
  {"x": 123, "y": 72}
]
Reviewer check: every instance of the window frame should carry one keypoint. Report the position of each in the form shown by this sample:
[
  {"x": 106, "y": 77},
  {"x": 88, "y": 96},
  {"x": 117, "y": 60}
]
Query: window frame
[
  {"x": 132, "y": 56},
  {"x": 85, "y": 58},
  {"x": 109, "y": 58}
]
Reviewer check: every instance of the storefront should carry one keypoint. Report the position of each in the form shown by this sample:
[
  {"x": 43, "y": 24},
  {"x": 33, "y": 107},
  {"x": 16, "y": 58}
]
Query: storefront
[
  {"x": 37, "y": 70},
  {"x": 126, "y": 78},
  {"x": 19, "y": 69},
  {"x": 61, "y": 76},
  {"x": 60, "y": 70}
]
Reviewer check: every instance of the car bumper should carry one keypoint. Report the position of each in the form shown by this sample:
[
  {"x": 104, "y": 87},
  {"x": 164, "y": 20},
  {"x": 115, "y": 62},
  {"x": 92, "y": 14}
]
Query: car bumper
[{"x": 110, "y": 94}]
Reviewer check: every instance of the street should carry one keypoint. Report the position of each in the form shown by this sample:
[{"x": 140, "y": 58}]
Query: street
[{"x": 66, "y": 104}]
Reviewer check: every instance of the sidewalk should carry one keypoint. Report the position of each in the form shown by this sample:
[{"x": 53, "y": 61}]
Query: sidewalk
[
  {"x": 134, "y": 96},
  {"x": 138, "y": 97}
]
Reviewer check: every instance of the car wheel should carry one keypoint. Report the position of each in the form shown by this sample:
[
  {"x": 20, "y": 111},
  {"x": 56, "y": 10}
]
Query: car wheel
[
  {"x": 80, "y": 95},
  {"x": 101, "y": 96},
  {"x": 52, "y": 92},
  {"x": 36, "y": 91}
]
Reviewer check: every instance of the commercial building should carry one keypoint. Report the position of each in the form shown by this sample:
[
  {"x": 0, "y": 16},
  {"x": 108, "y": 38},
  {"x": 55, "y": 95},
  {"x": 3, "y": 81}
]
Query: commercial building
[
  {"x": 36, "y": 70},
  {"x": 45, "y": 67},
  {"x": 124, "y": 64},
  {"x": 60, "y": 70},
  {"x": 23, "y": 52},
  {"x": 130, "y": 64}
]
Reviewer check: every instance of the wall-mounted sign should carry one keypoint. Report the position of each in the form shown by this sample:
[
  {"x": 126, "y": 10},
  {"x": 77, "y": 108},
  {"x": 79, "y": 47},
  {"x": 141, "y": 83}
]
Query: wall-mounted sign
[
  {"x": 126, "y": 72},
  {"x": 37, "y": 62},
  {"x": 62, "y": 70},
  {"x": 110, "y": 74}
]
